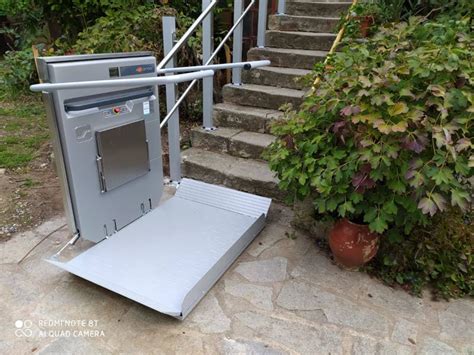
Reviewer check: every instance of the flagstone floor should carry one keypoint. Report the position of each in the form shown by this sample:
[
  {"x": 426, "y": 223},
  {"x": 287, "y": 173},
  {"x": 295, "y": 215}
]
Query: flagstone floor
[{"x": 281, "y": 296}]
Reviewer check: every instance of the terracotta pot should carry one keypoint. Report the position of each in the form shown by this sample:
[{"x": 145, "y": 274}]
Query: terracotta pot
[
  {"x": 365, "y": 23},
  {"x": 353, "y": 245}
]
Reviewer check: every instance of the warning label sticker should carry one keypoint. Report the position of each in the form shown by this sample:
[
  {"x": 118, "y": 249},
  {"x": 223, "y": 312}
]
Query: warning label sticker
[{"x": 146, "y": 108}]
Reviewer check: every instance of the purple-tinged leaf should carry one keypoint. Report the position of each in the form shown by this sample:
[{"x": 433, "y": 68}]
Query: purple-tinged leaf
[
  {"x": 415, "y": 164},
  {"x": 463, "y": 144},
  {"x": 346, "y": 111},
  {"x": 341, "y": 130},
  {"x": 338, "y": 126},
  {"x": 439, "y": 200},
  {"x": 427, "y": 206},
  {"x": 362, "y": 181},
  {"x": 409, "y": 174},
  {"x": 350, "y": 110},
  {"x": 415, "y": 143}
]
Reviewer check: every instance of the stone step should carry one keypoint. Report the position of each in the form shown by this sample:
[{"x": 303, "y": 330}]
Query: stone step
[
  {"x": 300, "y": 40},
  {"x": 262, "y": 96},
  {"x": 276, "y": 76},
  {"x": 302, "y": 23},
  {"x": 289, "y": 58},
  {"x": 242, "y": 174},
  {"x": 233, "y": 141},
  {"x": 316, "y": 9},
  {"x": 251, "y": 119}
]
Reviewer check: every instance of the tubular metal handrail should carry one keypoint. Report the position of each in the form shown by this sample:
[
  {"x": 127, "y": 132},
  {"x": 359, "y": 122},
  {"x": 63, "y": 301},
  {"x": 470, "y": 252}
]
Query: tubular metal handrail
[
  {"x": 244, "y": 65},
  {"x": 162, "y": 80},
  {"x": 208, "y": 62},
  {"x": 186, "y": 36}
]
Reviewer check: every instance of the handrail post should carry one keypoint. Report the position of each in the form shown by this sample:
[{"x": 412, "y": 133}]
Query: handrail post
[
  {"x": 281, "y": 7},
  {"x": 238, "y": 41},
  {"x": 208, "y": 83},
  {"x": 169, "y": 36},
  {"x": 262, "y": 22}
]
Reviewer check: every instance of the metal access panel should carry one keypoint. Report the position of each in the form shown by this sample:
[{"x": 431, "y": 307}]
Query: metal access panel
[
  {"x": 172, "y": 256},
  {"x": 107, "y": 141},
  {"x": 123, "y": 154}
]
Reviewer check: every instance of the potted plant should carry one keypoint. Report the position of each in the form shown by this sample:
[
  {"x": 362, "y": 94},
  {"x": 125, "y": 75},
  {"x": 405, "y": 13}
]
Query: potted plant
[
  {"x": 386, "y": 138},
  {"x": 361, "y": 19}
]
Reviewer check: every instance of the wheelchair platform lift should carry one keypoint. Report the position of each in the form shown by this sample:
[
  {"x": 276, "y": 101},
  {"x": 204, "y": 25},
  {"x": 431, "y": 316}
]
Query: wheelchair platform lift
[{"x": 104, "y": 115}]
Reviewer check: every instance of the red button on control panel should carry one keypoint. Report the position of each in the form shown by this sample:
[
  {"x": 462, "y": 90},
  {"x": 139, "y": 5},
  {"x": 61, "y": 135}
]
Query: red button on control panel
[{"x": 116, "y": 109}]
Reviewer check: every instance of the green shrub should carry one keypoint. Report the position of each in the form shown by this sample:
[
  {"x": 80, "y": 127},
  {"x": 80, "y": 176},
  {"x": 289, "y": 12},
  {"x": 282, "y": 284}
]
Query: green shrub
[
  {"x": 19, "y": 72},
  {"x": 440, "y": 256},
  {"x": 384, "y": 11},
  {"x": 125, "y": 31},
  {"x": 387, "y": 136}
]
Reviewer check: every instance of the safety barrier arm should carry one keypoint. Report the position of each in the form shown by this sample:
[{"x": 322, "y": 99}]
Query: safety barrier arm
[
  {"x": 162, "y": 80},
  {"x": 244, "y": 65}
]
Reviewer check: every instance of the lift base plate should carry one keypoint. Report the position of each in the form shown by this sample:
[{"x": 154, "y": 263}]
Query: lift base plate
[{"x": 169, "y": 258}]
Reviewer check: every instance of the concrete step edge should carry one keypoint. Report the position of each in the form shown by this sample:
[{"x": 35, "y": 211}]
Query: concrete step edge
[
  {"x": 269, "y": 90},
  {"x": 242, "y": 174},
  {"x": 252, "y": 119},
  {"x": 233, "y": 141}
]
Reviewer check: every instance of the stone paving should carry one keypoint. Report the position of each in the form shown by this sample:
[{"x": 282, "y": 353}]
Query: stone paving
[{"x": 282, "y": 296}]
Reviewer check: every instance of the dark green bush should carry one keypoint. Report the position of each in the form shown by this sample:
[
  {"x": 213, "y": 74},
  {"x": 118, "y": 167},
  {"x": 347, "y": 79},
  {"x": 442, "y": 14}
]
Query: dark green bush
[
  {"x": 384, "y": 11},
  {"x": 386, "y": 138},
  {"x": 19, "y": 72},
  {"x": 125, "y": 31},
  {"x": 440, "y": 256}
]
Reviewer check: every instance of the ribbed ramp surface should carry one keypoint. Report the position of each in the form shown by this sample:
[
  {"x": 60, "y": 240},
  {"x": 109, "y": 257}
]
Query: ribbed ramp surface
[{"x": 172, "y": 256}]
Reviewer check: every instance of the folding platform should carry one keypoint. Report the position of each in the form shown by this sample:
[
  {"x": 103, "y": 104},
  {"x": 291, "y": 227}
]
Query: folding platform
[{"x": 171, "y": 257}]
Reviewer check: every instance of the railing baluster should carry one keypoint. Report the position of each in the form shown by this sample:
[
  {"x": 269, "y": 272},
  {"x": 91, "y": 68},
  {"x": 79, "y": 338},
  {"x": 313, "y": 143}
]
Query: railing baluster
[
  {"x": 238, "y": 39},
  {"x": 169, "y": 35},
  {"x": 262, "y": 22},
  {"x": 208, "y": 83},
  {"x": 281, "y": 7}
]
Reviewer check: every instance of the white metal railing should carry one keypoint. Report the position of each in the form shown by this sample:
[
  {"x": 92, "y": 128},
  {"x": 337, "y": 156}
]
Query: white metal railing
[
  {"x": 174, "y": 75},
  {"x": 175, "y": 79},
  {"x": 168, "y": 66},
  {"x": 188, "y": 34},
  {"x": 281, "y": 7}
]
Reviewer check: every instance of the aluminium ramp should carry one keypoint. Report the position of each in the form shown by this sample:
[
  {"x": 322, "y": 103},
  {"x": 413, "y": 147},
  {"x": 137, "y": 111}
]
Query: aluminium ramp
[{"x": 169, "y": 258}]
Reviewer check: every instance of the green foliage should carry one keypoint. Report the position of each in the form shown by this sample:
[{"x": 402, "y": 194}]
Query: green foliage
[
  {"x": 383, "y": 11},
  {"x": 44, "y": 21},
  {"x": 440, "y": 256},
  {"x": 124, "y": 31},
  {"x": 387, "y": 136},
  {"x": 19, "y": 71}
]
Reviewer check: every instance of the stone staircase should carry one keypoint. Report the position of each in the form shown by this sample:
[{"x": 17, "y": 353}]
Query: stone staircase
[{"x": 231, "y": 155}]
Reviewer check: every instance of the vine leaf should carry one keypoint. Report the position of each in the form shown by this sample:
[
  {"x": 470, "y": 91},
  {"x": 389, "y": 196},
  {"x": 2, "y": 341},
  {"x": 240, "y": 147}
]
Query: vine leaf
[
  {"x": 439, "y": 200},
  {"x": 427, "y": 206},
  {"x": 398, "y": 109}
]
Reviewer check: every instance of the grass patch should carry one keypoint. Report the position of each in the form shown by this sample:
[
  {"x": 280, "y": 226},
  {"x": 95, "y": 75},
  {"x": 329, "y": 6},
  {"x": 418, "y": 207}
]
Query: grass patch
[{"x": 23, "y": 129}]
